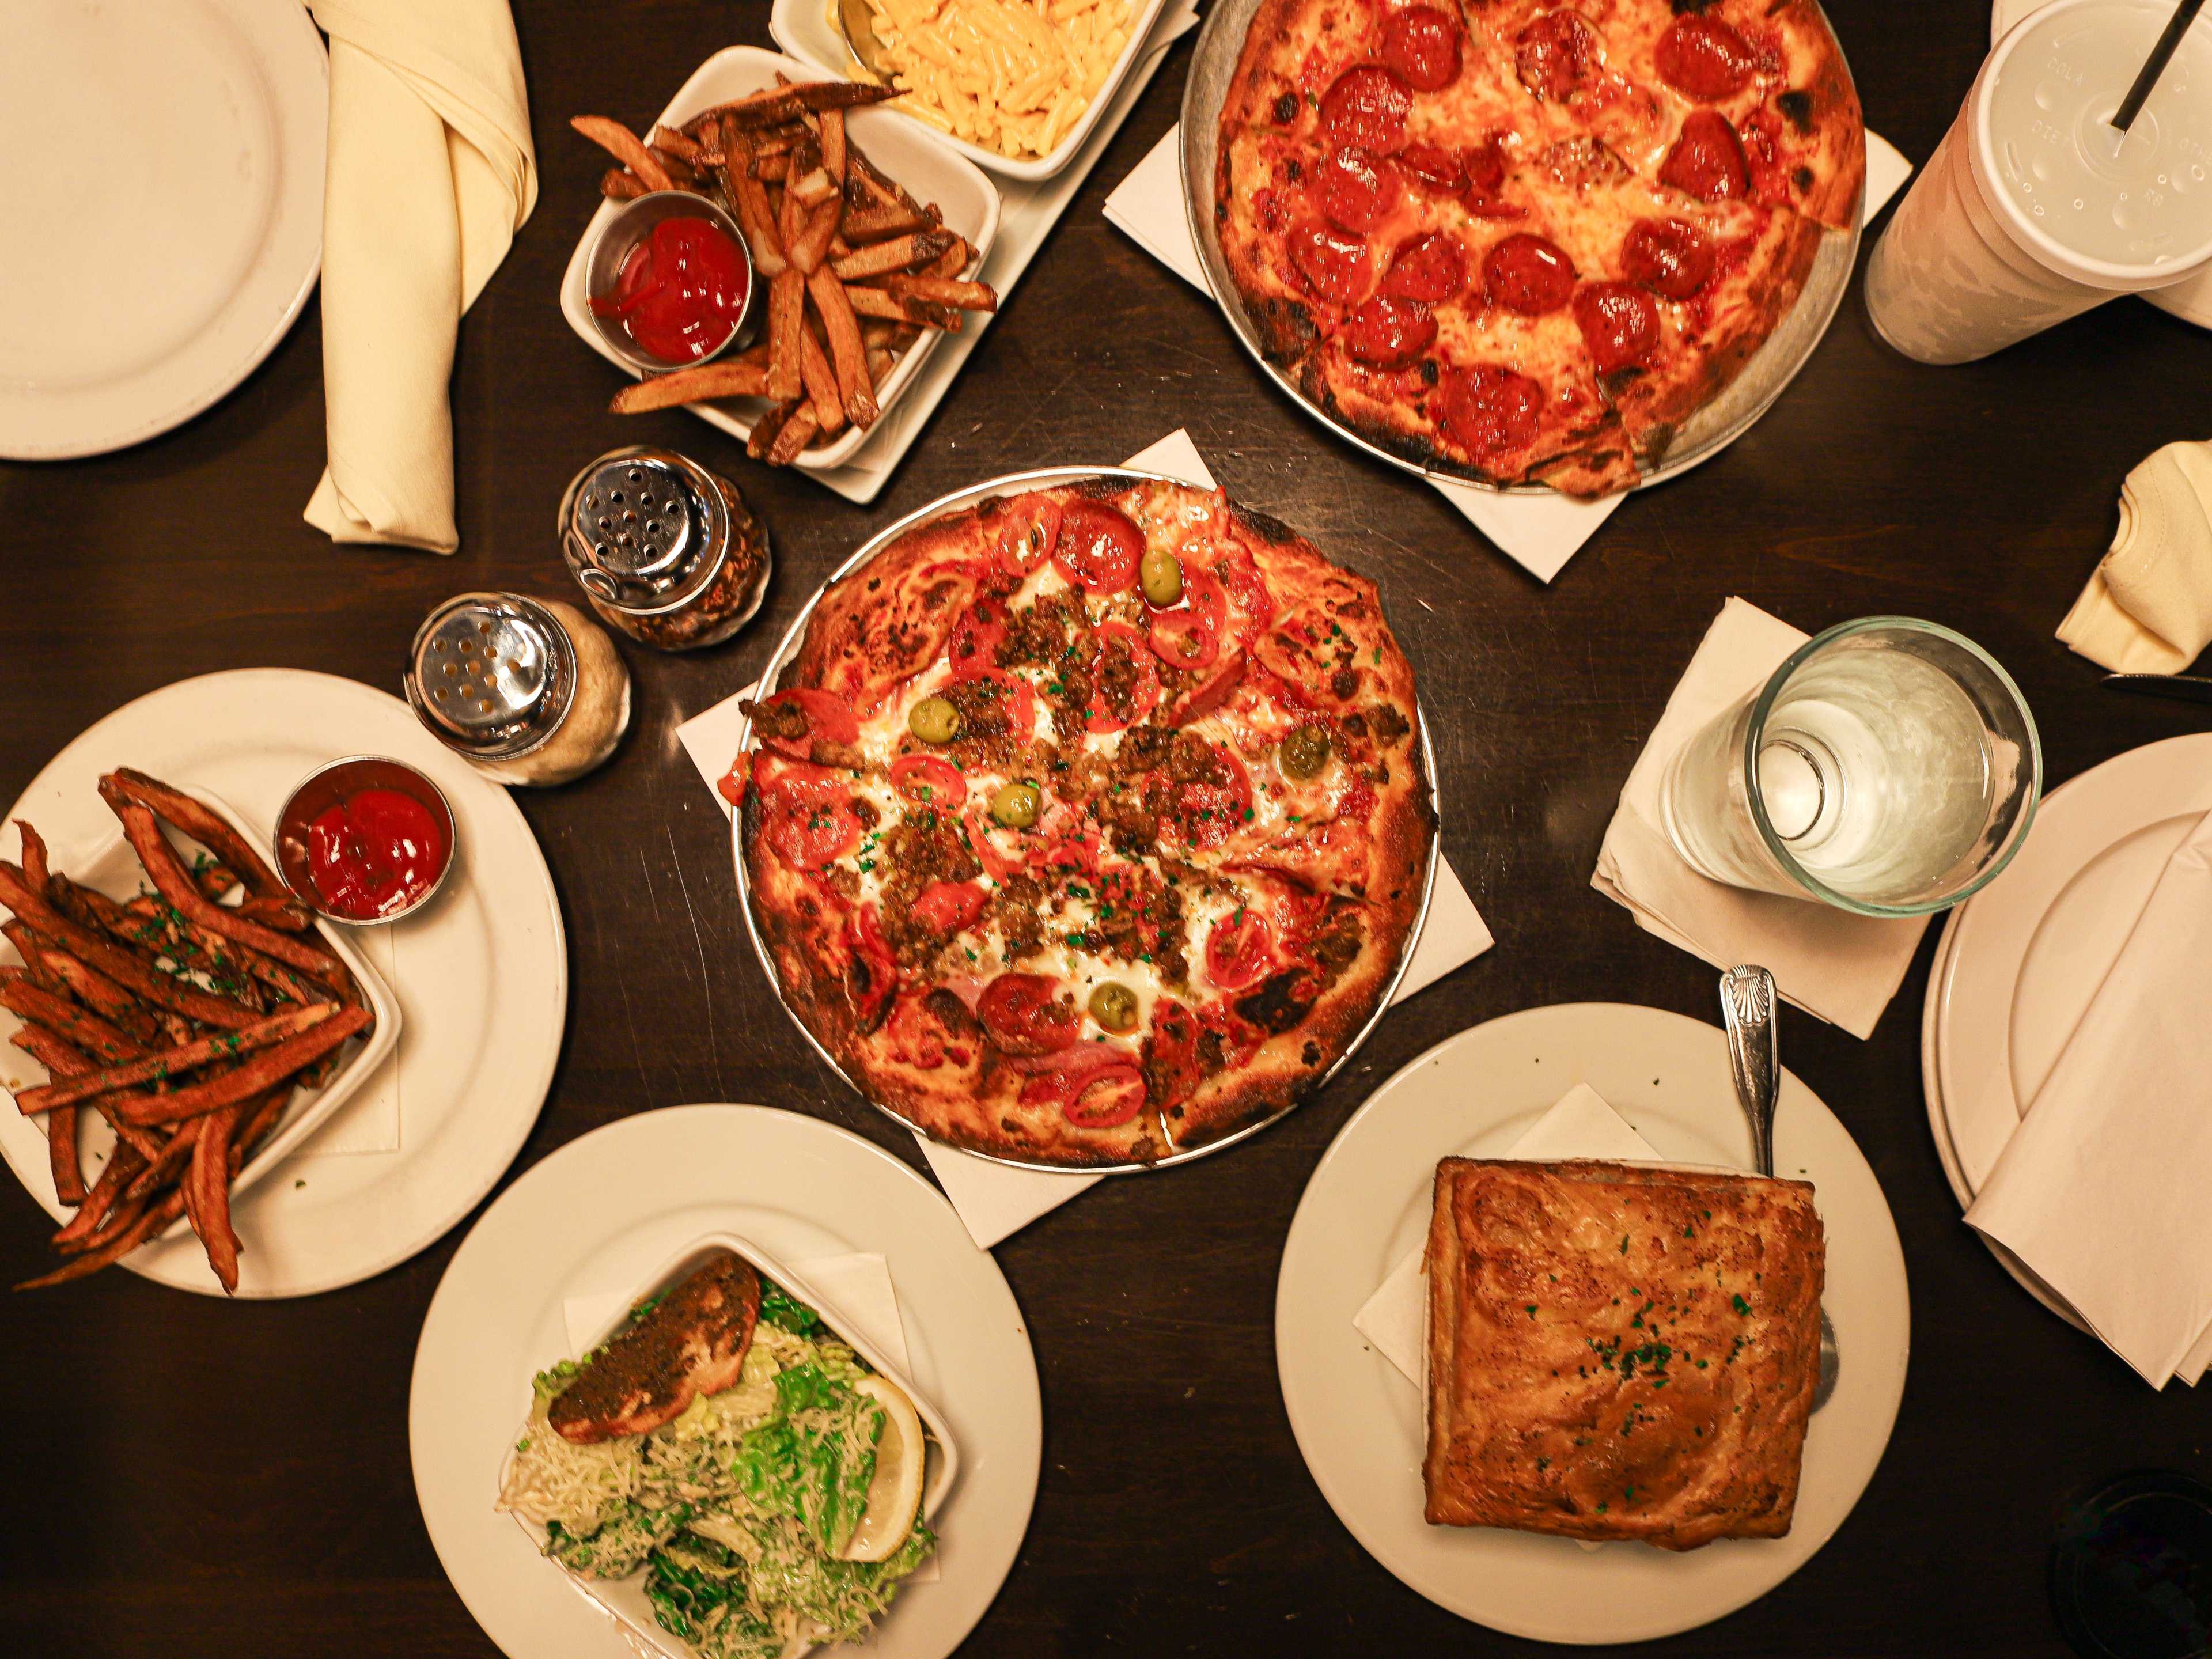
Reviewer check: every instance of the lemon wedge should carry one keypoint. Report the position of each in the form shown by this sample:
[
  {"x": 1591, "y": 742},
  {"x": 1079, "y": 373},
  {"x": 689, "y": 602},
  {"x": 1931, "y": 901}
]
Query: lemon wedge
[{"x": 894, "y": 1492}]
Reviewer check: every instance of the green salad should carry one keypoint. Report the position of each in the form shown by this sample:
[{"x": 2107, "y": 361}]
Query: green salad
[{"x": 742, "y": 1510}]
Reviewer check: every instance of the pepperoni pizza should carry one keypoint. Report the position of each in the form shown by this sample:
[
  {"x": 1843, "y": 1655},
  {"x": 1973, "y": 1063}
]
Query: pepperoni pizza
[
  {"x": 1519, "y": 242},
  {"x": 1089, "y": 825}
]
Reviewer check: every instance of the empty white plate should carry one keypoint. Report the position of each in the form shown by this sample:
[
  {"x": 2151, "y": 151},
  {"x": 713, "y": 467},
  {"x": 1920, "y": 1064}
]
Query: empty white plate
[
  {"x": 2021, "y": 960},
  {"x": 163, "y": 200}
]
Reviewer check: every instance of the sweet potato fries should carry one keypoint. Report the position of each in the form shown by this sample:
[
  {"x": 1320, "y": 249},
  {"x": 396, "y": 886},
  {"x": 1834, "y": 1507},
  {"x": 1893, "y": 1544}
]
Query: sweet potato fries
[
  {"x": 855, "y": 269},
  {"x": 185, "y": 1022}
]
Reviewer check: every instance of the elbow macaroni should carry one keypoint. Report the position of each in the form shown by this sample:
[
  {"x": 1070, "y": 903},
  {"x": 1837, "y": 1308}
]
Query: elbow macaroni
[{"x": 1010, "y": 76}]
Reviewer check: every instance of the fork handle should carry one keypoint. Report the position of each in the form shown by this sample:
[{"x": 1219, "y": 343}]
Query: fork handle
[{"x": 1747, "y": 1004}]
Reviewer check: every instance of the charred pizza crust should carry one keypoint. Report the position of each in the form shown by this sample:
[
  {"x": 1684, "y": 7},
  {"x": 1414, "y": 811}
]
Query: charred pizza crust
[
  {"x": 1567, "y": 124},
  {"x": 1339, "y": 859},
  {"x": 1617, "y": 1351}
]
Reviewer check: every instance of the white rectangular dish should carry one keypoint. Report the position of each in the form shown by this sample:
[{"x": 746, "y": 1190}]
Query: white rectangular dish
[
  {"x": 106, "y": 863},
  {"x": 807, "y": 28},
  {"x": 625, "y": 1599},
  {"x": 926, "y": 165}
]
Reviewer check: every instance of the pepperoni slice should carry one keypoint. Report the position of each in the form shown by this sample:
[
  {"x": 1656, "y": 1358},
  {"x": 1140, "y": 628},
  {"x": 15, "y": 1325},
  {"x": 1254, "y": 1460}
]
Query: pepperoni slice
[
  {"x": 1553, "y": 55},
  {"x": 1032, "y": 522},
  {"x": 1024, "y": 1016},
  {"x": 1704, "y": 59},
  {"x": 1422, "y": 44},
  {"x": 1485, "y": 170},
  {"x": 1365, "y": 107},
  {"x": 1239, "y": 949},
  {"x": 1620, "y": 324},
  {"x": 1098, "y": 547},
  {"x": 1356, "y": 189},
  {"x": 1337, "y": 267},
  {"x": 1430, "y": 268},
  {"x": 1389, "y": 331},
  {"x": 1528, "y": 275},
  {"x": 1435, "y": 169},
  {"x": 822, "y": 715},
  {"x": 1707, "y": 161},
  {"x": 1491, "y": 409},
  {"x": 813, "y": 837},
  {"x": 1668, "y": 256},
  {"x": 947, "y": 908},
  {"x": 927, "y": 781}
]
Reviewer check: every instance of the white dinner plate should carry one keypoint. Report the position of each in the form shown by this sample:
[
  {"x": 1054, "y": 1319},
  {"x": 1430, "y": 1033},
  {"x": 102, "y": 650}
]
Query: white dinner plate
[
  {"x": 2021, "y": 960},
  {"x": 163, "y": 200},
  {"x": 481, "y": 974},
  {"x": 605, "y": 1210},
  {"x": 1358, "y": 1421},
  {"x": 2026, "y": 954}
]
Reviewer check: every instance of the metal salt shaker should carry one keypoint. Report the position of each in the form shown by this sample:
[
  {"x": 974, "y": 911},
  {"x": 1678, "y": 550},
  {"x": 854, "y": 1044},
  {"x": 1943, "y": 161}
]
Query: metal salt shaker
[
  {"x": 665, "y": 549},
  {"x": 527, "y": 694}
]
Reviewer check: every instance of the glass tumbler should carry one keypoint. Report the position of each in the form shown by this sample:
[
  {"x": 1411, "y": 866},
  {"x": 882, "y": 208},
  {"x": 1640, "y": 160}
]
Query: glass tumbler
[{"x": 1890, "y": 767}]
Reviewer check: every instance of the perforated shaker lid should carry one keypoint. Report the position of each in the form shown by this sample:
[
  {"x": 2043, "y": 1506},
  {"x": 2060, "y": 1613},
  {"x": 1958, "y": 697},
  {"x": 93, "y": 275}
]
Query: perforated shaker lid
[
  {"x": 644, "y": 530},
  {"x": 492, "y": 675}
]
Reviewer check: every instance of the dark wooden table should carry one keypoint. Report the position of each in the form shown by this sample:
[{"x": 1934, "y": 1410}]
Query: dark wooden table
[{"x": 186, "y": 1478}]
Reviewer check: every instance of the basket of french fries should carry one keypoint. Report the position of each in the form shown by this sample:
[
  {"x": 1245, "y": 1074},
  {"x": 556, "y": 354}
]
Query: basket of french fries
[
  {"x": 866, "y": 232},
  {"x": 193, "y": 1021}
]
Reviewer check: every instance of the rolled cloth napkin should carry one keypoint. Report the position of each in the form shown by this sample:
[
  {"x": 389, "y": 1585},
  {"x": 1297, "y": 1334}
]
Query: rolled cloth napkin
[
  {"x": 2148, "y": 609},
  {"x": 430, "y": 174}
]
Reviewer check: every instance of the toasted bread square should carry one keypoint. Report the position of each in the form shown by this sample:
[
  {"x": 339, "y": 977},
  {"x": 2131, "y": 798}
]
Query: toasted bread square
[{"x": 1619, "y": 1352}]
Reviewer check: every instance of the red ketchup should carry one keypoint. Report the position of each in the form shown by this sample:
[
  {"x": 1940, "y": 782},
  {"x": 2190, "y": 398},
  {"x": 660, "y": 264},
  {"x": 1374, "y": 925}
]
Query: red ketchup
[
  {"x": 681, "y": 290},
  {"x": 375, "y": 852}
]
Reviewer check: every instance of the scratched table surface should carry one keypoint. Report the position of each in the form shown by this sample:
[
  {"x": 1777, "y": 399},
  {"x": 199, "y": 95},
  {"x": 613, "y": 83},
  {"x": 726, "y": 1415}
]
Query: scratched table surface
[{"x": 183, "y": 1477}]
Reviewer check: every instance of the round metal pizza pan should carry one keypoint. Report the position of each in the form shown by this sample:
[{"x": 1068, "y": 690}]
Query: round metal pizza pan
[
  {"x": 787, "y": 649},
  {"x": 1704, "y": 436}
]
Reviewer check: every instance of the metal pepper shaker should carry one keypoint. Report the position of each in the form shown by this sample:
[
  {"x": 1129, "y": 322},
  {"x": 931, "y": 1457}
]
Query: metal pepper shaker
[{"x": 665, "y": 550}]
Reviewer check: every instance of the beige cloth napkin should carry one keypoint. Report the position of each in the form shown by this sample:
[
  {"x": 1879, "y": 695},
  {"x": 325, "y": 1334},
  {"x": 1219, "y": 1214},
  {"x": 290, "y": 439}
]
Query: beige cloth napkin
[
  {"x": 2148, "y": 609},
  {"x": 430, "y": 174},
  {"x": 1539, "y": 534},
  {"x": 1579, "y": 1125},
  {"x": 1842, "y": 967},
  {"x": 996, "y": 1200},
  {"x": 2101, "y": 1188}
]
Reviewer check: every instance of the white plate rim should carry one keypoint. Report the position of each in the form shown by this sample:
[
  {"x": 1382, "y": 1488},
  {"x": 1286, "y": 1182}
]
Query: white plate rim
[
  {"x": 1604, "y": 1035},
  {"x": 275, "y": 32},
  {"x": 396, "y": 731},
  {"x": 445, "y": 1357}
]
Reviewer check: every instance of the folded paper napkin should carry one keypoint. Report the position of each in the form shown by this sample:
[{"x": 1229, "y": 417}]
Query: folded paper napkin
[
  {"x": 2148, "y": 609},
  {"x": 996, "y": 1200},
  {"x": 861, "y": 1301},
  {"x": 1581, "y": 1125},
  {"x": 430, "y": 174},
  {"x": 1539, "y": 534},
  {"x": 2101, "y": 1188},
  {"x": 1842, "y": 967}
]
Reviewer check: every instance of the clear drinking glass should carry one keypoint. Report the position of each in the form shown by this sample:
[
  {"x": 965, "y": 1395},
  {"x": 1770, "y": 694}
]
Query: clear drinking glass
[{"x": 1889, "y": 767}]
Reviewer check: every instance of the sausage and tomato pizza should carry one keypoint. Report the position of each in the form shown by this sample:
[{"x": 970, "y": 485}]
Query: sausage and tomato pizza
[
  {"x": 1521, "y": 242},
  {"x": 1088, "y": 825}
]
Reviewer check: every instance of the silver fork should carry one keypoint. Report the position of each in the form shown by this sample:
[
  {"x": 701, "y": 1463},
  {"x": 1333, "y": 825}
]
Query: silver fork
[{"x": 1749, "y": 1007}]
